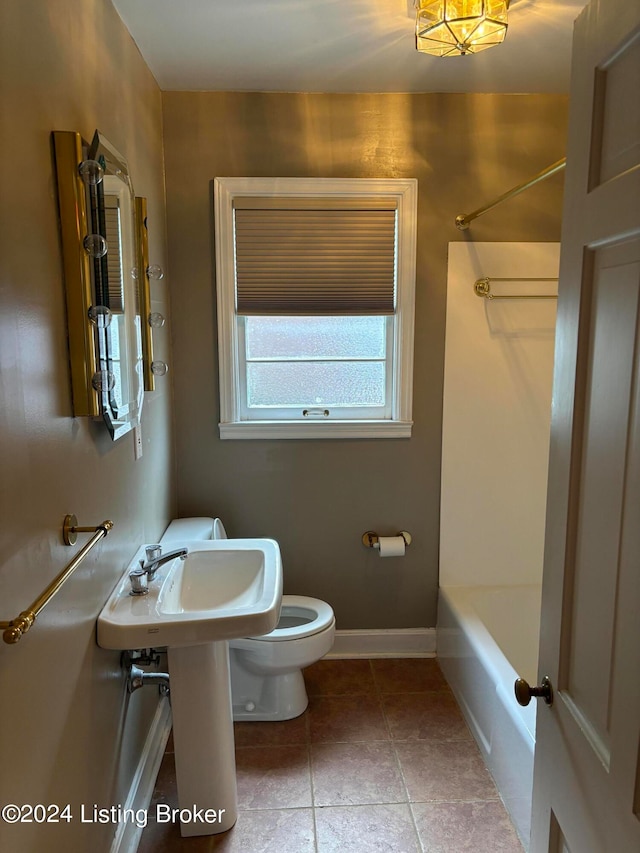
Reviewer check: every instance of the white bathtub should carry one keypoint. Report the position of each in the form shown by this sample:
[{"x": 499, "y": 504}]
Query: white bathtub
[{"x": 488, "y": 636}]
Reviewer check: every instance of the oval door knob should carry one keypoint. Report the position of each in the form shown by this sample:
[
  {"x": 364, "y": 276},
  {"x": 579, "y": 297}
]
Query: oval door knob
[{"x": 524, "y": 692}]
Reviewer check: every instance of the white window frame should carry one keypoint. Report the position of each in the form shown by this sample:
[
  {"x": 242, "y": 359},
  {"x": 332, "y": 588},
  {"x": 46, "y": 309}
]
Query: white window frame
[{"x": 405, "y": 193}]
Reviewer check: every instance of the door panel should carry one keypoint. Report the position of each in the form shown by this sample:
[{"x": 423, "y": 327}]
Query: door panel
[
  {"x": 606, "y": 373},
  {"x": 618, "y": 129},
  {"x": 587, "y": 769}
]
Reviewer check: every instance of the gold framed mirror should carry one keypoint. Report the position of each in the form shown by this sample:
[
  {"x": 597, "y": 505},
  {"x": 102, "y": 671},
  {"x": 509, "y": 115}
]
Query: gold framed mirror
[{"x": 103, "y": 230}]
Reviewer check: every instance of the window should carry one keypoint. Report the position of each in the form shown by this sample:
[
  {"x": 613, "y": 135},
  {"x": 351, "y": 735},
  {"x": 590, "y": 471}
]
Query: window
[{"x": 315, "y": 288}]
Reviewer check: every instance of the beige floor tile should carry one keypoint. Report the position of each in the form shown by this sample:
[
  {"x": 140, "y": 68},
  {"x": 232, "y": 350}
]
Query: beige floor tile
[
  {"x": 273, "y": 777},
  {"x": 355, "y": 773},
  {"x": 272, "y": 733},
  {"x": 408, "y": 675},
  {"x": 366, "y": 829},
  {"x": 339, "y": 677},
  {"x": 444, "y": 771},
  {"x": 424, "y": 716},
  {"x": 166, "y": 838},
  {"x": 277, "y": 831},
  {"x": 462, "y": 827},
  {"x": 334, "y": 719}
]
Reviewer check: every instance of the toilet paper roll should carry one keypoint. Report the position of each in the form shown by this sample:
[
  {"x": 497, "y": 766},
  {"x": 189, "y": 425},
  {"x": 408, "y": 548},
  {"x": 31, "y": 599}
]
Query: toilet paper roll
[{"x": 391, "y": 546}]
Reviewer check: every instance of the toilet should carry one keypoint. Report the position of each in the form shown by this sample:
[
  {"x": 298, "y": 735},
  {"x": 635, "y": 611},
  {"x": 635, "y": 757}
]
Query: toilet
[{"x": 266, "y": 671}]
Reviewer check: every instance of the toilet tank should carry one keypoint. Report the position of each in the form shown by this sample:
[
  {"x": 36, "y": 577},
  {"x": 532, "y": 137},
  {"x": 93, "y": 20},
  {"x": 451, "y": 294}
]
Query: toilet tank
[{"x": 182, "y": 529}]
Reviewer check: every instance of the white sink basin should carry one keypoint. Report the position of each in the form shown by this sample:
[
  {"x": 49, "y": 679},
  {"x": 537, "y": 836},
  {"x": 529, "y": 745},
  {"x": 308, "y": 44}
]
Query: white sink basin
[{"x": 224, "y": 589}]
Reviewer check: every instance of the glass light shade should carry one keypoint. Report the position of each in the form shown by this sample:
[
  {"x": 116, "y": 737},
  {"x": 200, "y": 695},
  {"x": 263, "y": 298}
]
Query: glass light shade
[{"x": 458, "y": 27}]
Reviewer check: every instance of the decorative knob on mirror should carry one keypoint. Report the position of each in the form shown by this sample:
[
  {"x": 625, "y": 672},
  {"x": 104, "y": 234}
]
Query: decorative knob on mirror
[
  {"x": 159, "y": 368},
  {"x": 91, "y": 172},
  {"x": 95, "y": 245},
  {"x": 155, "y": 272},
  {"x": 100, "y": 316},
  {"x": 103, "y": 380},
  {"x": 156, "y": 320}
]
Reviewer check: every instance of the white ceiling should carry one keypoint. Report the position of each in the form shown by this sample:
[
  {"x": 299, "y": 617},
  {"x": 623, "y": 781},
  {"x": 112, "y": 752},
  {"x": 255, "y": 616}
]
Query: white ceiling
[{"x": 340, "y": 46}]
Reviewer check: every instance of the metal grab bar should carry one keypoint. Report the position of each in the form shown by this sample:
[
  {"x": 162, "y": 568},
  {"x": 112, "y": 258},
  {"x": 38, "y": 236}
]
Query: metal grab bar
[
  {"x": 21, "y": 624},
  {"x": 482, "y": 287},
  {"x": 463, "y": 220}
]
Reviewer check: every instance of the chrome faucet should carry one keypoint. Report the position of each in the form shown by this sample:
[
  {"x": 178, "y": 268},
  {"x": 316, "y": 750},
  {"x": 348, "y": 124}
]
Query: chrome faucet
[{"x": 155, "y": 558}]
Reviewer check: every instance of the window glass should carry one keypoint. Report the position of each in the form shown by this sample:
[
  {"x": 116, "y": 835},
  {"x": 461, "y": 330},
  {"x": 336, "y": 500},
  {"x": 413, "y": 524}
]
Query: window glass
[
  {"x": 316, "y": 383},
  {"x": 315, "y": 337},
  {"x": 315, "y": 361}
]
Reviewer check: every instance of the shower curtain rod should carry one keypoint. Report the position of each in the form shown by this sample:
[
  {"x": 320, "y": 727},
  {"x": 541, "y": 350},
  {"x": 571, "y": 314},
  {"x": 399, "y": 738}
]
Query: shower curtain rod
[{"x": 463, "y": 220}]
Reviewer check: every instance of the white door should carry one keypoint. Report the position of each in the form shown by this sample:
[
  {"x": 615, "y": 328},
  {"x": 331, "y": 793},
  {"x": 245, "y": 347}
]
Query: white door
[{"x": 587, "y": 768}]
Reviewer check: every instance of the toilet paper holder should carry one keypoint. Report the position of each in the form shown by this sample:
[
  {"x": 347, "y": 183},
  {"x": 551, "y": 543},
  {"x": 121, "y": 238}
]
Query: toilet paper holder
[{"x": 370, "y": 538}]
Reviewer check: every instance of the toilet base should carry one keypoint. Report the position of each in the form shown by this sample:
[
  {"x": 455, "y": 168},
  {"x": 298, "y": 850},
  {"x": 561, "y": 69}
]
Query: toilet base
[{"x": 276, "y": 697}]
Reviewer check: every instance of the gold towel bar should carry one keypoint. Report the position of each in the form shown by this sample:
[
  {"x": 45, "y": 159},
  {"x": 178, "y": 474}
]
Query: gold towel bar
[
  {"x": 482, "y": 287},
  {"x": 21, "y": 624}
]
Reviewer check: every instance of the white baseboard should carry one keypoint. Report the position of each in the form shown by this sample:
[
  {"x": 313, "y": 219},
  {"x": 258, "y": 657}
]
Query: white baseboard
[
  {"x": 128, "y": 834},
  {"x": 392, "y": 643}
]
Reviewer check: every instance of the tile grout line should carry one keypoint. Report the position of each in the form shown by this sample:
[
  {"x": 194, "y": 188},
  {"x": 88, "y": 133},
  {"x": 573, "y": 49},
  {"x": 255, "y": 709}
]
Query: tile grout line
[
  {"x": 420, "y": 846},
  {"x": 307, "y": 731}
]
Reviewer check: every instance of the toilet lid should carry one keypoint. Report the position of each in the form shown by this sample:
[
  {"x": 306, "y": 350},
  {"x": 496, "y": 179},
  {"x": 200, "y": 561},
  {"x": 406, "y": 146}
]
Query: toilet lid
[{"x": 319, "y": 613}]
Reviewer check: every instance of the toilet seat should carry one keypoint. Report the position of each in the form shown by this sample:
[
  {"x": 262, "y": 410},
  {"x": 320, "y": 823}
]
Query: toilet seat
[{"x": 318, "y": 613}]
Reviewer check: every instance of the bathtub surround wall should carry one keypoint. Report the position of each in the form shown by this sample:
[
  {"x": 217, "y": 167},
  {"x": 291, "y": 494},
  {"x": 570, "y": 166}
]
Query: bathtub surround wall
[
  {"x": 69, "y": 732},
  {"x": 317, "y": 498},
  {"x": 497, "y": 413}
]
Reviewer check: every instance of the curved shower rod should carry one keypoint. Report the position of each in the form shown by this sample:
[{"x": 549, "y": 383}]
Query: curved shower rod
[{"x": 463, "y": 220}]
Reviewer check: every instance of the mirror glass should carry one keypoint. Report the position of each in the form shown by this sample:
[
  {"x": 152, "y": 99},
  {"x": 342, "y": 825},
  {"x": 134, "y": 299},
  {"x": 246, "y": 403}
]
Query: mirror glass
[{"x": 115, "y": 312}]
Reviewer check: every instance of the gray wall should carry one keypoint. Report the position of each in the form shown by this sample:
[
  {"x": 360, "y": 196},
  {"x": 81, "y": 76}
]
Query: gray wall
[
  {"x": 318, "y": 497},
  {"x": 69, "y": 734}
]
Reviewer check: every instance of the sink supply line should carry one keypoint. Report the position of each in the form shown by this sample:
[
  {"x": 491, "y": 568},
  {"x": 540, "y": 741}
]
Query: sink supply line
[{"x": 137, "y": 677}]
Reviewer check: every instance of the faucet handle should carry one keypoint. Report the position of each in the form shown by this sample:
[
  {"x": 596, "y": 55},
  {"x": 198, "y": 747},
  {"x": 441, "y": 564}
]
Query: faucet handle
[
  {"x": 139, "y": 581},
  {"x": 153, "y": 552}
]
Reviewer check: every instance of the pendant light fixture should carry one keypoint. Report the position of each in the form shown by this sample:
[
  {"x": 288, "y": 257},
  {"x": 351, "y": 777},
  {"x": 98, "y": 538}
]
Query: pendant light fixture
[{"x": 458, "y": 27}]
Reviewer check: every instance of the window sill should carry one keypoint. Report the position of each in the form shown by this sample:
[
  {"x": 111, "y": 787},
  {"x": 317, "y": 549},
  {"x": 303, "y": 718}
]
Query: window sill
[{"x": 315, "y": 429}]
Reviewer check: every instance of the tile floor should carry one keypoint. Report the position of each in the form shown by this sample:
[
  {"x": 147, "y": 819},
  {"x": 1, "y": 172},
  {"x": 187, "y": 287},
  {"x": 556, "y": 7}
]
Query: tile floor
[{"x": 381, "y": 760}]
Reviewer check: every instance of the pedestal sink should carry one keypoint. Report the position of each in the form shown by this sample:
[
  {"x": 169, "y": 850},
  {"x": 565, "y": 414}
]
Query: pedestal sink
[{"x": 222, "y": 590}]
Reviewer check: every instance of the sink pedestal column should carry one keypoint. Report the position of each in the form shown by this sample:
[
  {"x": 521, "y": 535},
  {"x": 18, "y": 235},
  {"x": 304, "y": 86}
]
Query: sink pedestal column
[{"x": 203, "y": 737}]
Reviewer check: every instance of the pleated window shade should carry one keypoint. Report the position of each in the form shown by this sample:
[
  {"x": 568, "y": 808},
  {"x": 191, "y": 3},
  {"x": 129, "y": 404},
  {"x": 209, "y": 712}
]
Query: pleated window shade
[
  {"x": 322, "y": 256},
  {"x": 115, "y": 283}
]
